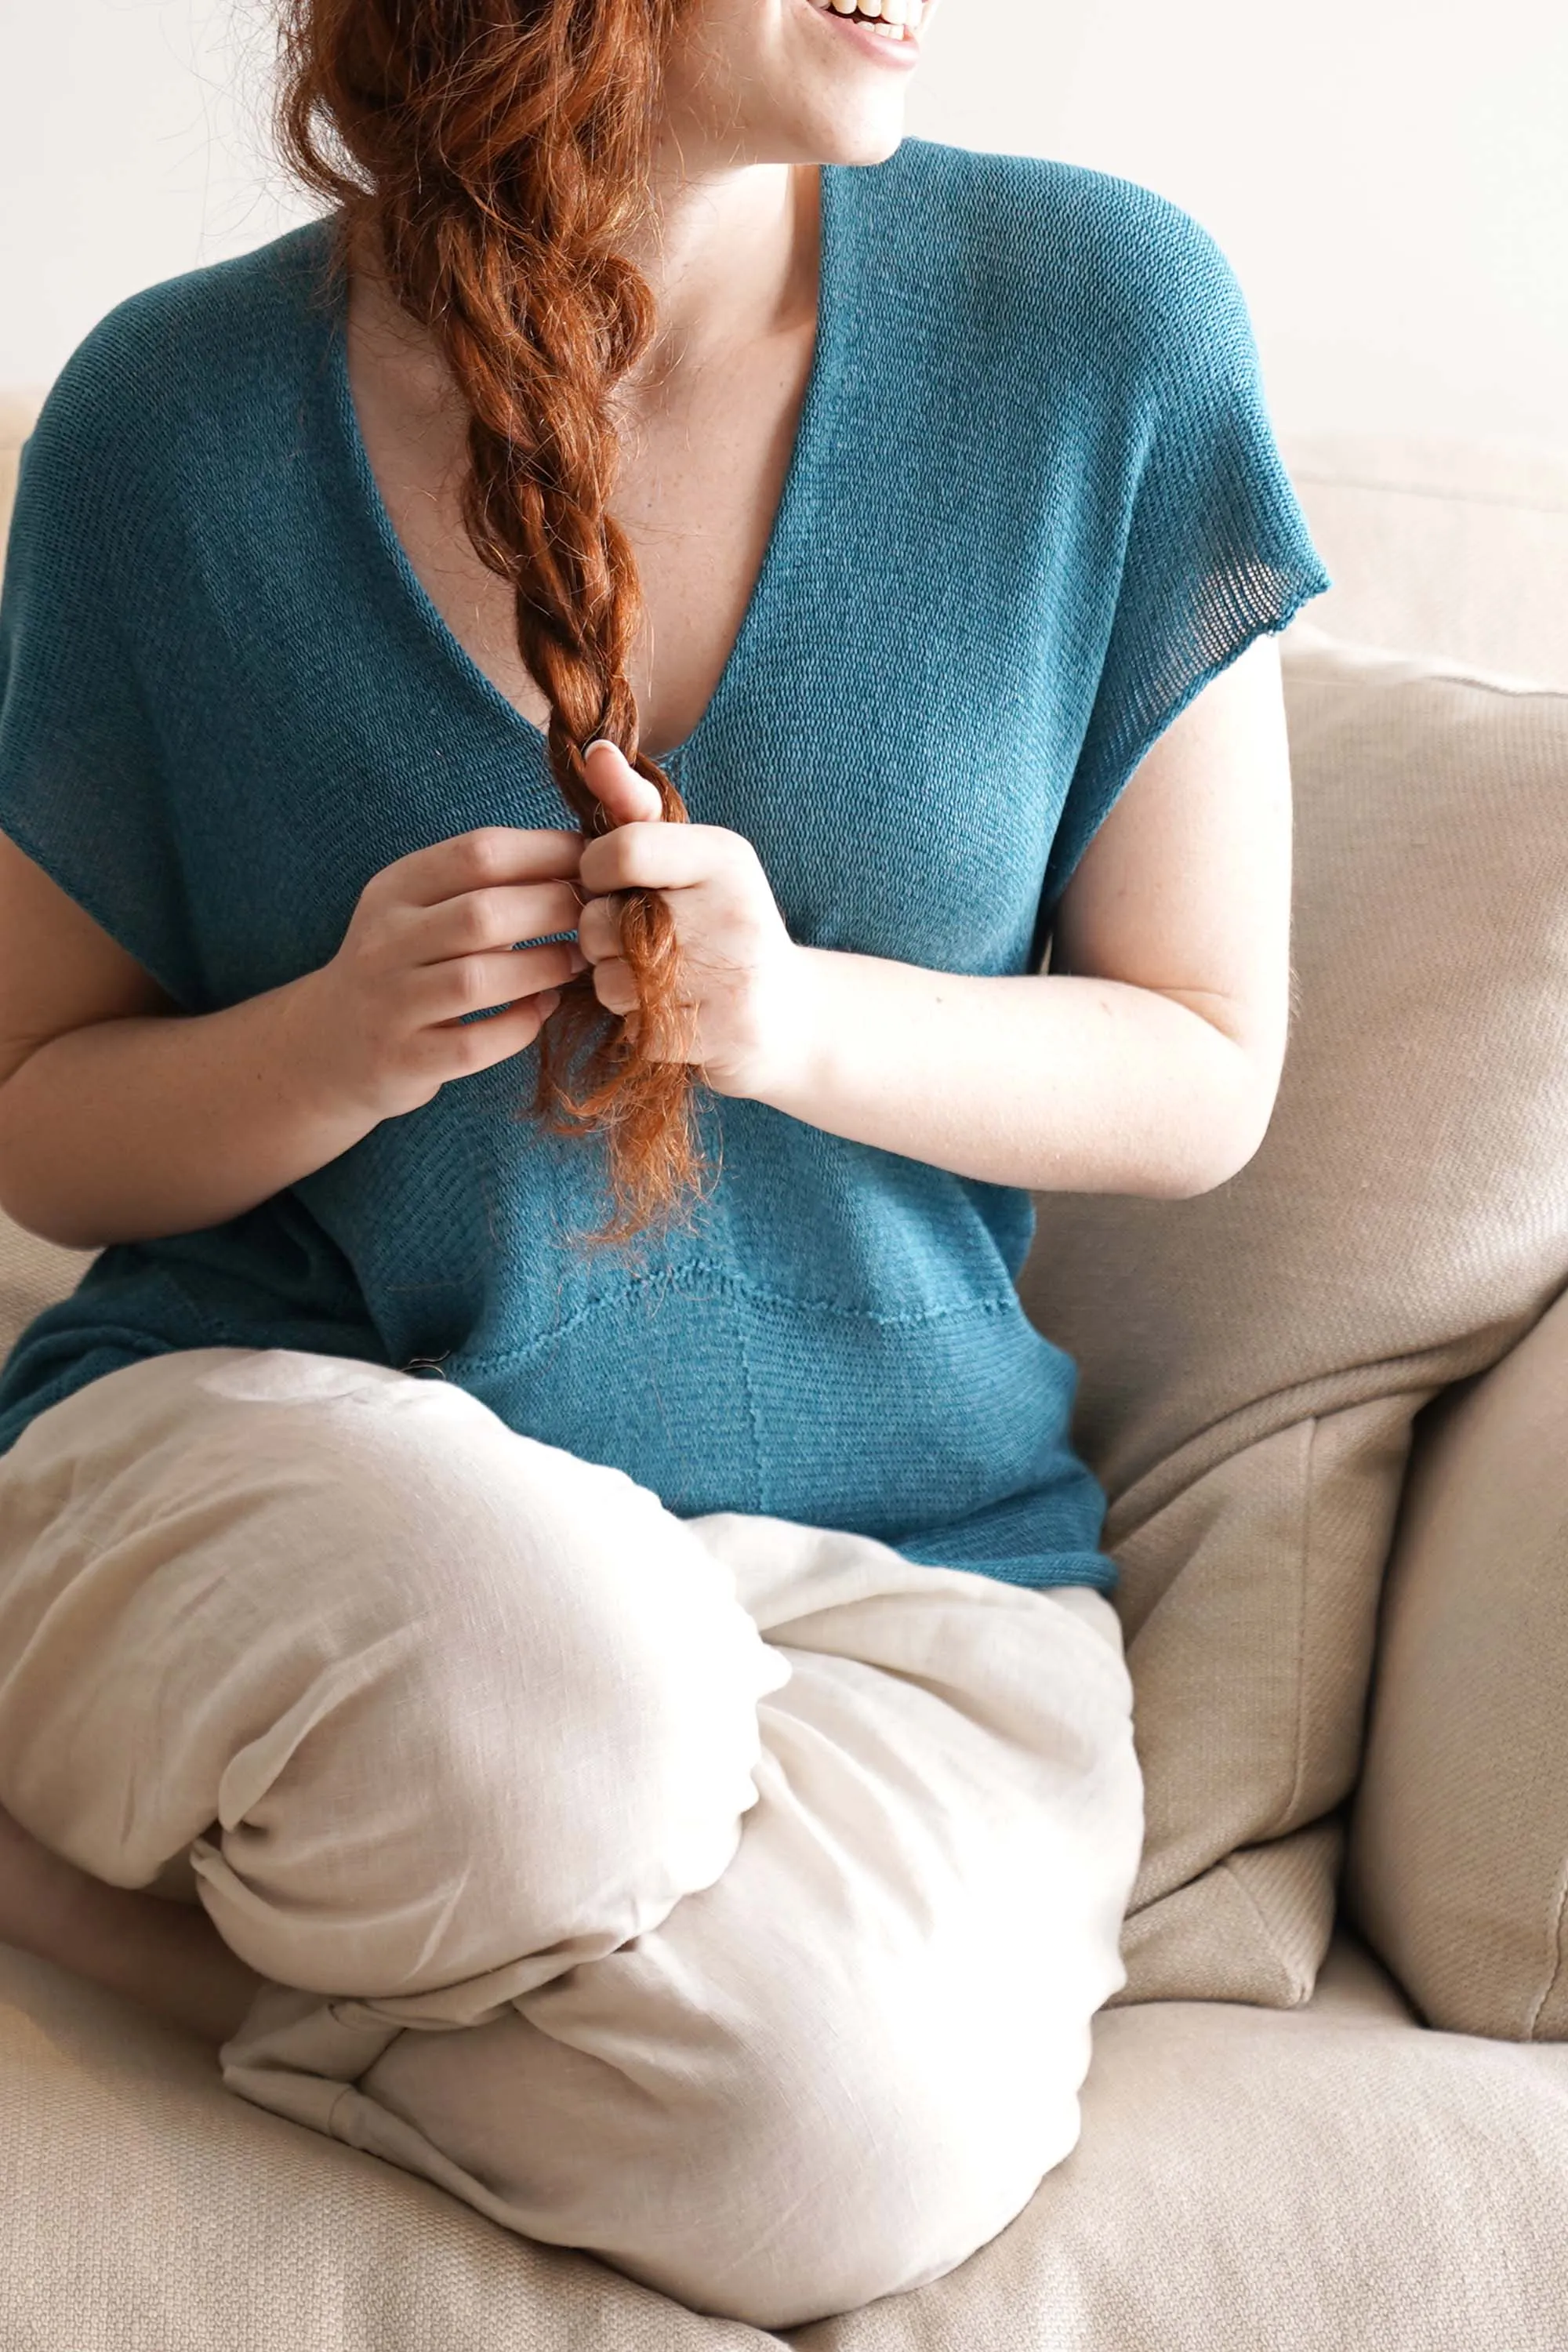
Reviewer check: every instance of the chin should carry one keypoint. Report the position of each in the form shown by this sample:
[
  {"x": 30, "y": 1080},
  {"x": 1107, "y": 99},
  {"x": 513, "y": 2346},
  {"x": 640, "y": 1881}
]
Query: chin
[
  {"x": 871, "y": 143},
  {"x": 840, "y": 134}
]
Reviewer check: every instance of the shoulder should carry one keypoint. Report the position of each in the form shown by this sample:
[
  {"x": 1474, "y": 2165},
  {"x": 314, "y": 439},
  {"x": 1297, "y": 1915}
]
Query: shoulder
[
  {"x": 178, "y": 368},
  {"x": 1024, "y": 245}
]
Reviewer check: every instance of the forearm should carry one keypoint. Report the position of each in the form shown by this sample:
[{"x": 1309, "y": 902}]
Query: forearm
[
  {"x": 167, "y": 1955},
  {"x": 133, "y": 1129},
  {"x": 1046, "y": 1081}
]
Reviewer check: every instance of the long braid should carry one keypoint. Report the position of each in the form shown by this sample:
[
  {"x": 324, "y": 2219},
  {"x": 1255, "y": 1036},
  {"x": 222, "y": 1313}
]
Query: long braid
[{"x": 499, "y": 151}]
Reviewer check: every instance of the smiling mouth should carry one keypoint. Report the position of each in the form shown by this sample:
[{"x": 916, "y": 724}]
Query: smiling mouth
[{"x": 891, "y": 18}]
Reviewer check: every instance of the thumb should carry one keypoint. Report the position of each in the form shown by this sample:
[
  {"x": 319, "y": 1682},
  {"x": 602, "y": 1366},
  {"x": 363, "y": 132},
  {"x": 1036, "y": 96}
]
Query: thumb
[{"x": 629, "y": 798}]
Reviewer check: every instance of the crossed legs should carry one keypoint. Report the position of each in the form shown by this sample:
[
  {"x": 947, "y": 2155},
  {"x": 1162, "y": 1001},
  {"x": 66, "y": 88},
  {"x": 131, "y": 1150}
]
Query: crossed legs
[{"x": 727, "y": 1897}]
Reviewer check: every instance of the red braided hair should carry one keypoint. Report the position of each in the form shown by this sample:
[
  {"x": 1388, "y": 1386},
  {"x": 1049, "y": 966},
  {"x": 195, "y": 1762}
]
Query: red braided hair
[{"x": 498, "y": 152}]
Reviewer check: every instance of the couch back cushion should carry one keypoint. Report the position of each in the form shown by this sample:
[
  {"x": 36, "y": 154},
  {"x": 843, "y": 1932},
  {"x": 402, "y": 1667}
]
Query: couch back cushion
[
  {"x": 1250, "y": 1360},
  {"x": 1457, "y": 1864},
  {"x": 19, "y": 406},
  {"x": 32, "y": 1273},
  {"x": 1456, "y": 549}
]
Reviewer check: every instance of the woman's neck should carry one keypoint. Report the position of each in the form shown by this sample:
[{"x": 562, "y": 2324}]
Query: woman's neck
[{"x": 731, "y": 257}]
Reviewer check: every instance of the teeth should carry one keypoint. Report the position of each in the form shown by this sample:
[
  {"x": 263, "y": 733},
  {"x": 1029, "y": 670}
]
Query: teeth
[{"x": 891, "y": 17}]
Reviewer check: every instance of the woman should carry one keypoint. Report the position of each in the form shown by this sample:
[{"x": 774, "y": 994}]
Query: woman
[{"x": 545, "y": 1521}]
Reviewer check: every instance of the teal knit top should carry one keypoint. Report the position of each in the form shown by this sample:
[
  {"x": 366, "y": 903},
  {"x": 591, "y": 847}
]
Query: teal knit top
[{"x": 1034, "y": 505}]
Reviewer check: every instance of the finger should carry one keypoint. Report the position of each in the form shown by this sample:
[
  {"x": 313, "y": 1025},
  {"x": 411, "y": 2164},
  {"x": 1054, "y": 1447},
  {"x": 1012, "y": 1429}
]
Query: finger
[
  {"x": 499, "y": 917},
  {"x": 614, "y": 985},
  {"x": 479, "y": 983},
  {"x": 460, "y": 1050},
  {"x": 492, "y": 853},
  {"x": 671, "y": 1037},
  {"x": 654, "y": 858},
  {"x": 629, "y": 798},
  {"x": 599, "y": 927}
]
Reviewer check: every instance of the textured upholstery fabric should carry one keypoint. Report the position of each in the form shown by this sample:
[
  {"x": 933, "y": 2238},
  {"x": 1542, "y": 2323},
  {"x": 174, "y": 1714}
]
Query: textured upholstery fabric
[
  {"x": 1251, "y": 1360},
  {"x": 19, "y": 406},
  {"x": 1459, "y": 1855},
  {"x": 1331, "y": 2180},
  {"x": 32, "y": 1273}
]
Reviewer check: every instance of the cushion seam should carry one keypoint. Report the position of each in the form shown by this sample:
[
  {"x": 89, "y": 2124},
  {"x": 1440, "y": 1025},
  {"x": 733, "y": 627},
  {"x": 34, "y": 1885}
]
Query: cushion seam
[
  {"x": 1303, "y": 1591},
  {"x": 1276, "y": 1949},
  {"x": 1560, "y": 1962}
]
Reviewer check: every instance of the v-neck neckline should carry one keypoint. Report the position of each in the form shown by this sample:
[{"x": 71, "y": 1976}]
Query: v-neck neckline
[{"x": 370, "y": 509}]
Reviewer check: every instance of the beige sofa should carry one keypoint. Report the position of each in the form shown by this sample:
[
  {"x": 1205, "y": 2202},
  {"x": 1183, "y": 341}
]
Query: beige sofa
[{"x": 1329, "y": 1403}]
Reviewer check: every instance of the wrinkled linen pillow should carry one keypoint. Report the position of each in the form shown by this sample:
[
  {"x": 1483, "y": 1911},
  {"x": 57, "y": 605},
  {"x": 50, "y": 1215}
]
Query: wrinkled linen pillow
[
  {"x": 1250, "y": 1360},
  {"x": 1458, "y": 1863}
]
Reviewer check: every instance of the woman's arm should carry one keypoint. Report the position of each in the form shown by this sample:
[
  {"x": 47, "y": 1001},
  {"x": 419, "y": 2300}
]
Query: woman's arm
[
  {"x": 122, "y": 1118},
  {"x": 119, "y": 1117},
  {"x": 1147, "y": 1060}
]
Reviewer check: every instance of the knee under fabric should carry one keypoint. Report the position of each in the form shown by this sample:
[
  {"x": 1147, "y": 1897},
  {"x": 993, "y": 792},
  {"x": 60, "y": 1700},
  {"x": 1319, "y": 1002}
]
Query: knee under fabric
[{"x": 677, "y": 1876}]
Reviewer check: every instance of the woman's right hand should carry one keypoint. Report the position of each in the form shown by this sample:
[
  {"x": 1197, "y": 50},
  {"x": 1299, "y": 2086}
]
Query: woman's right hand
[{"x": 430, "y": 940}]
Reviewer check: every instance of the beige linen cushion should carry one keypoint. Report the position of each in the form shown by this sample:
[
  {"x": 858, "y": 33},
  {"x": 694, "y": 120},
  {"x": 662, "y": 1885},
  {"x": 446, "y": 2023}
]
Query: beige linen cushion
[
  {"x": 1332, "y": 2181},
  {"x": 33, "y": 1274},
  {"x": 1441, "y": 547},
  {"x": 1251, "y": 1360},
  {"x": 1457, "y": 1868}
]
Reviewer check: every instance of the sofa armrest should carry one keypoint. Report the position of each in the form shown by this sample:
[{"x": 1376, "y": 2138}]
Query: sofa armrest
[{"x": 1456, "y": 1866}]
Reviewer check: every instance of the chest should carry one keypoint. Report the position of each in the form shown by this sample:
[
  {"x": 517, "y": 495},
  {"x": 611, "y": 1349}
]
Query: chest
[
  {"x": 870, "y": 652},
  {"x": 704, "y": 458}
]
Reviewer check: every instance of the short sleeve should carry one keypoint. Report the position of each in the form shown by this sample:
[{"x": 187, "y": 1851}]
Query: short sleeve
[
  {"x": 1211, "y": 549},
  {"x": 83, "y": 784}
]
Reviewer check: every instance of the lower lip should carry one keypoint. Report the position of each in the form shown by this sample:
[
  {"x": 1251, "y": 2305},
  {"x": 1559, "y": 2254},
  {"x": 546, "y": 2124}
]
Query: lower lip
[{"x": 902, "y": 56}]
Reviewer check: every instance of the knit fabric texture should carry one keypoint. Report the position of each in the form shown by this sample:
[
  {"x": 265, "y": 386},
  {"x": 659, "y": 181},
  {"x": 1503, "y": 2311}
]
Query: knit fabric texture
[{"x": 1033, "y": 506}]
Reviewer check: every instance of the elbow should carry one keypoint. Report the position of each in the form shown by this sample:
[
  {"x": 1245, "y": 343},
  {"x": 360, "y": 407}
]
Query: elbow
[
  {"x": 40, "y": 1220},
  {"x": 1230, "y": 1134},
  {"x": 1230, "y": 1164},
  {"x": 33, "y": 1206}
]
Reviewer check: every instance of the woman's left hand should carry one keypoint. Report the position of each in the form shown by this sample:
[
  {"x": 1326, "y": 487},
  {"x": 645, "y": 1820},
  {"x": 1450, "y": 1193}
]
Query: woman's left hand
[{"x": 745, "y": 992}]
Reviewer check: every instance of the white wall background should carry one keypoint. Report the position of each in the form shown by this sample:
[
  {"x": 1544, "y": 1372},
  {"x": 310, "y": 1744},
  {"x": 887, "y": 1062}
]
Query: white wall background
[{"x": 1389, "y": 177}]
